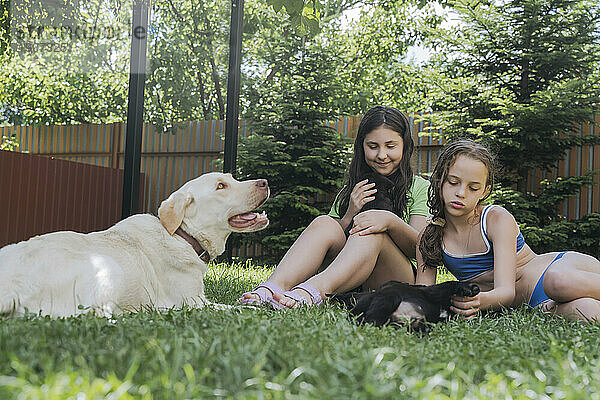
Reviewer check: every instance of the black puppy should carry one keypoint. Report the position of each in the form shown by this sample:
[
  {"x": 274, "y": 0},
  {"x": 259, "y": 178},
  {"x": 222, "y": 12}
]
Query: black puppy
[
  {"x": 383, "y": 196},
  {"x": 401, "y": 303}
]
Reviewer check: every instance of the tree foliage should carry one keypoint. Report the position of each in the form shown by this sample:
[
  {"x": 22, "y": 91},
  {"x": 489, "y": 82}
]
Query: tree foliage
[
  {"x": 188, "y": 57},
  {"x": 521, "y": 75},
  {"x": 374, "y": 50},
  {"x": 4, "y": 28},
  {"x": 307, "y": 17},
  {"x": 188, "y": 60},
  {"x": 303, "y": 158},
  {"x": 9, "y": 143},
  {"x": 76, "y": 70},
  {"x": 545, "y": 229},
  {"x": 30, "y": 96}
]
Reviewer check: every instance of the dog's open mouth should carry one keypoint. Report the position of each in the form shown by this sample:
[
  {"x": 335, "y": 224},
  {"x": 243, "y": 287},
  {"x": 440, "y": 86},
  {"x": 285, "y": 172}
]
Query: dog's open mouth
[{"x": 249, "y": 220}]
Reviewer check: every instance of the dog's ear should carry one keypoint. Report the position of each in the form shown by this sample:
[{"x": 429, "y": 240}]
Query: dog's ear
[{"x": 172, "y": 210}]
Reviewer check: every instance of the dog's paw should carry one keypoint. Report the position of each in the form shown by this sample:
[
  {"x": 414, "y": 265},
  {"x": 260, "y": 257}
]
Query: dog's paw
[{"x": 468, "y": 290}]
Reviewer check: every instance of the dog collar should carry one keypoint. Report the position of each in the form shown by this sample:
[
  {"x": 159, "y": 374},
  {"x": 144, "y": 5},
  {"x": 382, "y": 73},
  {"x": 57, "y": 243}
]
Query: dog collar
[{"x": 202, "y": 253}]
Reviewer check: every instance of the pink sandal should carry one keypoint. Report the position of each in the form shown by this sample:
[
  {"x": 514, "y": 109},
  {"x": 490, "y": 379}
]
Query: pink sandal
[
  {"x": 262, "y": 299},
  {"x": 315, "y": 297}
]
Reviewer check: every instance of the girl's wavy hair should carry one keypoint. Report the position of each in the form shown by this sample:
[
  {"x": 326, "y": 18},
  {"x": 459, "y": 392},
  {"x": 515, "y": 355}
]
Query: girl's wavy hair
[
  {"x": 430, "y": 245},
  {"x": 395, "y": 120}
]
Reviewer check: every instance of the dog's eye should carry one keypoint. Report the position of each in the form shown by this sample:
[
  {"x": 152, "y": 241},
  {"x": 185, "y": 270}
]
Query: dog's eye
[{"x": 221, "y": 185}]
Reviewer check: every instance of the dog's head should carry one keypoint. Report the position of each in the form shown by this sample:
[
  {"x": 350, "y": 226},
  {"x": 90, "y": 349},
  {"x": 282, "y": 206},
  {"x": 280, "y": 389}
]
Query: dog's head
[{"x": 212, "y": 206}]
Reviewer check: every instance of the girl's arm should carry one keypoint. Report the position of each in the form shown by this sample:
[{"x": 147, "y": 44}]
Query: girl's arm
[
  {"x": 362, "y": 193},
  {"x": 425, "y": 276},
  {"x": 406, "y": 235},
  {"x": 502, "y": 231},
  {"x": 403, "y": 234}
]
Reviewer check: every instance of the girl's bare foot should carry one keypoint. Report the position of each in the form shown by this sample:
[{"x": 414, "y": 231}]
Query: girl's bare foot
[
  {"x": 289, "y": 302},
  {"x": 303, "y": 294},
  {"x": 263, "y": 293}
]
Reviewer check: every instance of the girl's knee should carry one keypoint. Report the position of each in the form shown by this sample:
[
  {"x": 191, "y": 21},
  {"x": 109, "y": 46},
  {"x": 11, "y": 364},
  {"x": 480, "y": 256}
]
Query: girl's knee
[
  {"x": 326, "y": 224},
  {"x": 588, "y": 303},
  {"x": 328, "y": 229},
  {"x": 325, "y": 221},
  {"x": 585, "y": 308}
]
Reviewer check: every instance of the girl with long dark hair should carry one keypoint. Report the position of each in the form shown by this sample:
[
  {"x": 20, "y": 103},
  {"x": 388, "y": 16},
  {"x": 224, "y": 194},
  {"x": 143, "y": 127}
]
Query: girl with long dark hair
[{"x": 380, "y": 245}]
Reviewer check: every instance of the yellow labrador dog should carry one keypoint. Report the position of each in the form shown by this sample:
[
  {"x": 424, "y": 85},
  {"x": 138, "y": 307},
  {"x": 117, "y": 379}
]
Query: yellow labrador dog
[{"x": 142, "y": 261}]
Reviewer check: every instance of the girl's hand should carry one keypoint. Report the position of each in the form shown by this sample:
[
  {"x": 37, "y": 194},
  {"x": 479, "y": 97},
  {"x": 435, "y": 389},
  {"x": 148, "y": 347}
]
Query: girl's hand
[
  {"x": 372, "y": 221},
  {"x": 466, "y": 307},
  {"x": 362, "y": 193}
]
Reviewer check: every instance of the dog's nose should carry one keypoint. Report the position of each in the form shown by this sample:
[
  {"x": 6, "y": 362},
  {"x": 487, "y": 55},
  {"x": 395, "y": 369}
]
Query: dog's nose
[{"x": 262, "y": 183}]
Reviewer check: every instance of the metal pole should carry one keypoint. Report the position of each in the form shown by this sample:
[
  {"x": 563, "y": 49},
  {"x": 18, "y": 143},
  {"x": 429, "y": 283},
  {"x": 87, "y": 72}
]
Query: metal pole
[
  {"x": 233, "y": 94},
  {"x": 233, "y": 86},
  {"x": 135, "y": 108}
]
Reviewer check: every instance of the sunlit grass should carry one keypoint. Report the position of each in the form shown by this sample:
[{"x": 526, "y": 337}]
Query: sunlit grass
[{"x": 315, "y": 353}]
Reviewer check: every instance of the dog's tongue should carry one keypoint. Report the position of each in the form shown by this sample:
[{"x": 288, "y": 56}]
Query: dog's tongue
[{"x": 245, "y": 217}]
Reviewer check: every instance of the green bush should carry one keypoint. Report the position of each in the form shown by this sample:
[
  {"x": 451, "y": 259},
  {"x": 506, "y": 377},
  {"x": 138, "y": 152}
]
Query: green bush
[
  {"x": 542, "y": 226},
  {"x": 9, "y": 143},
  {"x": 291, "y": 146}
]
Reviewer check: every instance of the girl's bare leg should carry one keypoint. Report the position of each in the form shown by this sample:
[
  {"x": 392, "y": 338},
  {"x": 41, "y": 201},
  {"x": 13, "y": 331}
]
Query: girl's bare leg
[
  {"x": 585, "y": 309},
  {"x": 323, "y": 238},
  {"x": 370, "y": 259},
  {"x": 572, "y": 277}
]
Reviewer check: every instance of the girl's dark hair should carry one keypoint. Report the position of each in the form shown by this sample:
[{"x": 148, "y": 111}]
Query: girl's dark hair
[
  {"x": 395, "y": 120},
  {"x": 430, "y": 245}
]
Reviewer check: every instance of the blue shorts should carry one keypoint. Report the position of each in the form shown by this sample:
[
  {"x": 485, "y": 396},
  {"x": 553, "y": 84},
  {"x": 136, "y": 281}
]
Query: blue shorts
[{"x": 539, "y": 296}]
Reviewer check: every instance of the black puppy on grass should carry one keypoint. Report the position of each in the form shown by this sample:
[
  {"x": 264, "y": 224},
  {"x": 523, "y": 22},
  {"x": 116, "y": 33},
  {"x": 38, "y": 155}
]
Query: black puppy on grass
[
  {"x": 383, "y": 196},
  {"x": 401, "y": 303}
]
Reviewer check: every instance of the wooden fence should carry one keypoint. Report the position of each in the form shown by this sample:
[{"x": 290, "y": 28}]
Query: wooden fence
[
  {"x": 40, "y": 195},
  {"x": 169, "y": 160}
]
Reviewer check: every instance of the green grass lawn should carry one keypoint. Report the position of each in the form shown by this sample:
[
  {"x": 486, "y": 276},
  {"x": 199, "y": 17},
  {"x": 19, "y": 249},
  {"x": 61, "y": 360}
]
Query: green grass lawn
[{"x": 315, "y": 353}]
